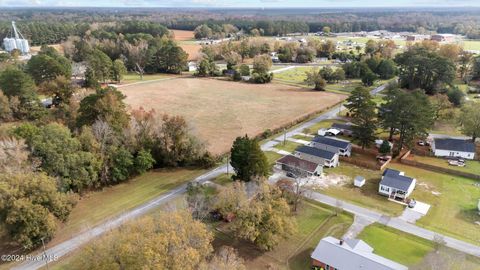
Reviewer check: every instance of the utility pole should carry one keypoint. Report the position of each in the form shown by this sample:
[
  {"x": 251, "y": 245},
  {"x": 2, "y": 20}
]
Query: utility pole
[
  {"x": 284, "y": 136},
  {"x": 45, "y": 253}
]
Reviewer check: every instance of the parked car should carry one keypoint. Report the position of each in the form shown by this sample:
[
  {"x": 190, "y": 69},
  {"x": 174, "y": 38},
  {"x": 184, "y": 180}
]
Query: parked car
[
  {"x": 423, "y": 143},
  {"x": 458, "y": 163},
  {"x": 411, "y": 203},
  {"x": 290, "y": 174}
]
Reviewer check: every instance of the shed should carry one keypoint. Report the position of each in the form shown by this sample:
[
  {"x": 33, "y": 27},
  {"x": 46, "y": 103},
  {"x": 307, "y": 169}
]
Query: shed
[{"x": 359, "y": 181}]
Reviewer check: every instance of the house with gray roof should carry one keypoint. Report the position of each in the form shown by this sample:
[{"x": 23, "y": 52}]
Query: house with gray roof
[
  {"x": 447, "y": 147},
  {"x": 320, "y": 156},
  {"x": 297, "y": 166},
  {"x": 351, "y": 254},
  {"x": 343, "y": 148},
  {"x": 396, "y": 185}
]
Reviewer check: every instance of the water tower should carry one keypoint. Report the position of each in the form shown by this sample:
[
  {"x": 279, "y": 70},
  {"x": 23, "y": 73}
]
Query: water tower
[{"x": 16, "y": 41}]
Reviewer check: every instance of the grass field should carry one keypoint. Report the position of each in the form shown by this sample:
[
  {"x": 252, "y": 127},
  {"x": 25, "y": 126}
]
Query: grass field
[
  {"x": 288, "y": 146},
  {"x": 132, "y": 77},
  {"x": 453, "y": 202},
  {"x": 219, "y": 111},
  {"x": 367, "y": 196},
  {"x": 472, "y": 166},
  {"x": 97, "y": 207},
  {"x": 409, "y": 249},
  {"x": 314, "y": 220},
  {"x": 297, "y": 76}
]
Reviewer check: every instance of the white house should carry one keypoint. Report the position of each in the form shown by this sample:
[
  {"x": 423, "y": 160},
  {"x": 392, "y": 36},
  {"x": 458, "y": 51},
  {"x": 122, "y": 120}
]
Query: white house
[
  {"x": 323, "y": 157},
  {"x": 350, "y": 254},
  {"x": 296, "y": 165},
  {"x": 343, "y": 148},
  {"x": 395, "y": 184},
  {"x": 446, "y": 147}
]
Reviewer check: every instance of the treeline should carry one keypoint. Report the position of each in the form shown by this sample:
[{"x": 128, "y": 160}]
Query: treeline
[
  {"x": 86, "y": 140},
  {"x": 45, "y": 25},
  {"x": 43, "y": 32}
]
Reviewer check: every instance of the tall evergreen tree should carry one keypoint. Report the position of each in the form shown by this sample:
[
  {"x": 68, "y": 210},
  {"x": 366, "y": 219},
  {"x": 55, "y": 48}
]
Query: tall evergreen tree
[{"x": 248, "y": 159}]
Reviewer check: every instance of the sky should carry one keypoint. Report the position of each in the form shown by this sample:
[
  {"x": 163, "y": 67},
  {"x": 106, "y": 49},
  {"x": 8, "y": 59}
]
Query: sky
[{"x": 238, "y": 3}]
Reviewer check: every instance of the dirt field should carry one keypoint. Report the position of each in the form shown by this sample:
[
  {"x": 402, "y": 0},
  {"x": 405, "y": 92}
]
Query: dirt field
[
  {"x": 186, "y": 40},
  {"x": 180, "y": 35},
  {"x": 219, "y": 111}
]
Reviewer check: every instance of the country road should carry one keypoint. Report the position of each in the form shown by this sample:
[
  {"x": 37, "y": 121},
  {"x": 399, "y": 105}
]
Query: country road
[{"x": 70, "y": 245}]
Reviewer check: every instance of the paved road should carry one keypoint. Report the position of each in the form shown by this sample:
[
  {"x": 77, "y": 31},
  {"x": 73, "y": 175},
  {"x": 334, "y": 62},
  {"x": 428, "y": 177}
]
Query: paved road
[
  {"x": 394, "y": 222},
  {"x": 64, "y": 248}
]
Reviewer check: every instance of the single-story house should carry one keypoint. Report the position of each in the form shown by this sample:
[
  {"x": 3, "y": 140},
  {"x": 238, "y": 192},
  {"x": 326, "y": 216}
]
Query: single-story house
[
  {"x": 343, "y": 148},
  {"x": 395, "y": 184},
  {"x": 446, "y": 147},
  {"x": 359, "y": 181},
  {"x": 323, "y": 157},
  {"x": 296, "y": 165},
  {"x": 351, "y": 254},
  {"x": 329, "y": 132},
  {"x": 345, "y": 129}
]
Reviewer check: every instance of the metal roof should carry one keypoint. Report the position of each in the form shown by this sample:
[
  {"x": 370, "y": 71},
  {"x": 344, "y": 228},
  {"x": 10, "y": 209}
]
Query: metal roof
[
  {"x": 298, "y": 163},
  {"x": 342, "y": 126},
  {"x": 331, "y": 142},
  {"x": 395, "y": 179},
  {"x": 316, "y": 152},
  {"x": 352, "y": 255},
  {"x": 455, "y": 145}
]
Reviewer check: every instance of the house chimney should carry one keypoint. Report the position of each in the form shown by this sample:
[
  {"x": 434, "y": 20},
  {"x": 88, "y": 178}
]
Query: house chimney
[{"x": 341, "y": 242}]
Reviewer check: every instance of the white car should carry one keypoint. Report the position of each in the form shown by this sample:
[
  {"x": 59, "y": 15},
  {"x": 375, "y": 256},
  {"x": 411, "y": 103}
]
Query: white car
[{"x": 456, "y": 163}]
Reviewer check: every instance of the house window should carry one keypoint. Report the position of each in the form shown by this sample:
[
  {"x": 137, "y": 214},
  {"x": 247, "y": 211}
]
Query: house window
[{"x": 384, "y": 188}]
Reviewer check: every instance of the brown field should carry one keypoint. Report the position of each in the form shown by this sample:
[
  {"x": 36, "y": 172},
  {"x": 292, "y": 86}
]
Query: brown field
[
  {"x": 180, "y": 35},
  {"x": 36, "y": 49},
  {"x": 219, "y": 111},
  {"x": 193, "y": 51},
  {"x": 186, "y": 40}
]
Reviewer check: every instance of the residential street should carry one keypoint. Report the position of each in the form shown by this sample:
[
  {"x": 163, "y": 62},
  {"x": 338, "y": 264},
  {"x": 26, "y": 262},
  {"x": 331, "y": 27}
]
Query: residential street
[{"x": 370, "y": 215}]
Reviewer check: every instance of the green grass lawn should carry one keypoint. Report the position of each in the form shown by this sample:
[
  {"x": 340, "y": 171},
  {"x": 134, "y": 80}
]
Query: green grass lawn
[
  {"x": 453, "y": 202},
  {"x": 471, "y": 166},
  {"x": 96, "y": 207},
  {"x": 471, "y": 44},
  {"x": 366, "y": 196},
  {"x": 396, "y": 245},
  {"x": 288, "y": 146},
  {"x": 302, "y": 137},
  {"x": 408, "y": 249},
  {"x": 314, "y": 220},
  {"x": 132, "y": 77},
  {"x": 272, "y": 157}
]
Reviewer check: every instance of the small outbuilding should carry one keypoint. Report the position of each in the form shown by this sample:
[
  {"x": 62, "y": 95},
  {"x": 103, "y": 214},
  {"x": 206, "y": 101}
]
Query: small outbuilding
[{"x": 359, "y": 181}]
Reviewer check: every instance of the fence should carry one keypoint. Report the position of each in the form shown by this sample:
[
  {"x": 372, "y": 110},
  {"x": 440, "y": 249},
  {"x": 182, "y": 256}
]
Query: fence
[
  {"x": 434, "y": 168},
  {"x": 367, "y": 162}
]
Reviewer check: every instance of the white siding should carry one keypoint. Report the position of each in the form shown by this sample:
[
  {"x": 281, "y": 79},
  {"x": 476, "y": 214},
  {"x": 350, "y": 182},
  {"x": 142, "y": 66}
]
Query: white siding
[{"x": 447, "y": 153}]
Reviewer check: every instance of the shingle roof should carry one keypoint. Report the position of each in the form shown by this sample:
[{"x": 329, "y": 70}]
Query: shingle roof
[
  {"x": 331, "y": 142},
  {"x": 299, "y": 163},
  {"x": 455, "y": 145},
  {"x": 316, "y": 152},
  {"x": 352, "y": 255},
  {"x": 342, "y": 126},
  {"x": 393, "y": 178}
]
